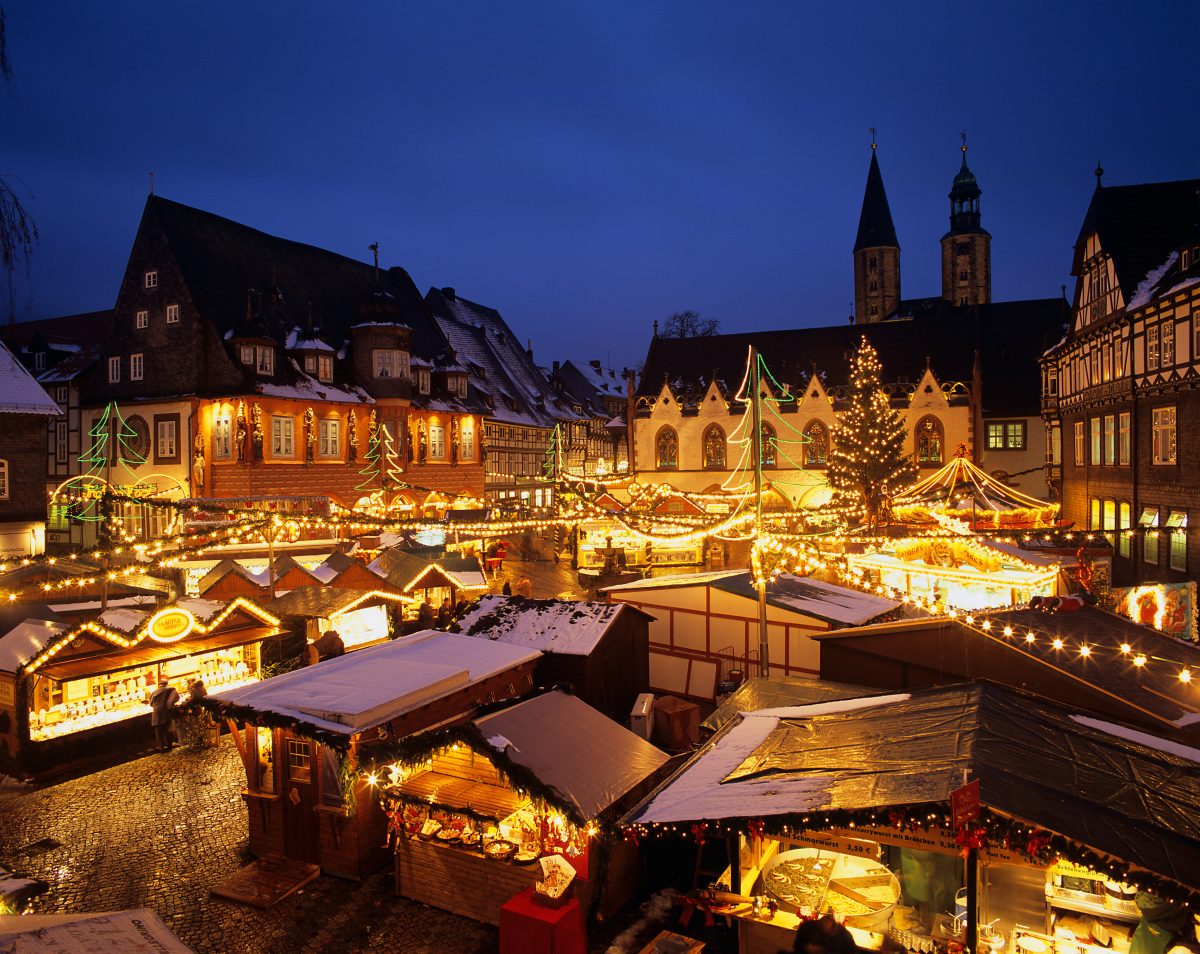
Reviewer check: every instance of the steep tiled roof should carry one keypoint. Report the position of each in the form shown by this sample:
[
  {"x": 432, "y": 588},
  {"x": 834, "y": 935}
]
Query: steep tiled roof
[
  {"x": 221, "y": 260},
  {"x": 1140, "y": 225},
  {"x": 500, "y": 367},
  {"x": 89, "y": 328},
  {"x": 875, "y": 226},
  {"x": 19, "y": 392}
]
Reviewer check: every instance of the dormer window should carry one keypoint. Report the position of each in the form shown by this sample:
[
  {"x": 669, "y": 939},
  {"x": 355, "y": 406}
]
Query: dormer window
[
  {"x": 264, "y": 359},
  {"x": 390, "y": 363},
  {"x": 39, "y": 361},
  {"x": 457, "y": 383},
  {"x": 423, "y": 380},
  {"x": 310, "y": 364},
  {"x": 247, "y": 352}
]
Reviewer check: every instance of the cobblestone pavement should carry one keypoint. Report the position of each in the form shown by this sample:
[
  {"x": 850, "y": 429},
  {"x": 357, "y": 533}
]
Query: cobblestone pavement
[{"x": 160, "y": 831}]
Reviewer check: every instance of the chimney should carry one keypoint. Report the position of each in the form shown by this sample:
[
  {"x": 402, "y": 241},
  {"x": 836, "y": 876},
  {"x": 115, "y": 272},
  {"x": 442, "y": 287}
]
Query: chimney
[
  {"x": 555, "y": 370},
  {"x": 448, "y": 293},
  {"x": 595, "y": 363}
]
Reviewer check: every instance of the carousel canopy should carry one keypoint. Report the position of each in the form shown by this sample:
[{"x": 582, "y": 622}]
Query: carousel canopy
[
  {"x": 962, "y": 487},
  {"x": 1115, "y": 790},
  {"x": 580, "y": 753}
]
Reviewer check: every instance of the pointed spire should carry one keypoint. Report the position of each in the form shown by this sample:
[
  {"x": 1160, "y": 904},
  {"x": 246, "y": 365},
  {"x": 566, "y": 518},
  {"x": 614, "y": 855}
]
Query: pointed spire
[
  {"x": 875, "y": 228},
  {"x": 1099, "y": 174}
]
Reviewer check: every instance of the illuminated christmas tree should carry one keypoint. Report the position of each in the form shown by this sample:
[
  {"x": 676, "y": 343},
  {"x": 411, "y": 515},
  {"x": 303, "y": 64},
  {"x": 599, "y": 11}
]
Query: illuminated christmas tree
[
  {"x": 110, "y": 460},
  {"x": 383, "y": 470},
  {"x": 867, "y": 463}
]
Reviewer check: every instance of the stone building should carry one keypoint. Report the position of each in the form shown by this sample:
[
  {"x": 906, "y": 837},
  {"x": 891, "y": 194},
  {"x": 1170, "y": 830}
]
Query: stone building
[
  {"x": 597, "y": 445},
  {"x": 24, "y": 410},
  {"x": 1120, "y": 394},
  {"x": 259, "y": 364}
]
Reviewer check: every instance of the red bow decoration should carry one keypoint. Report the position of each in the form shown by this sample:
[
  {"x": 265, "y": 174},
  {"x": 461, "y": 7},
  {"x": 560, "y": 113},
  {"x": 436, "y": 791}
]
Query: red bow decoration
[
  {"x": 757, "y": 827},
  {"x": 631, "y": 836},
  {"x": 970, "y": 835},
  {"x": 1038, "y": 844},
  {"x": 698, "y": 831},
  {"x": 899, "y": 819}
]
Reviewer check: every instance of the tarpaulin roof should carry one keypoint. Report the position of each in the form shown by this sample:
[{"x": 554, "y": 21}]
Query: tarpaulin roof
[
  {"x": 1114, "y": 790},
  {"x": 588, "y": 759},
  {"x": 761, "y": 692}
]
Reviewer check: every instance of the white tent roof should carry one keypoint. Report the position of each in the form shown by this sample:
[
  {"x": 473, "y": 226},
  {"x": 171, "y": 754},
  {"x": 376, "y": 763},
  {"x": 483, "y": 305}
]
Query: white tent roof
[{"x": 371, "y": 686}]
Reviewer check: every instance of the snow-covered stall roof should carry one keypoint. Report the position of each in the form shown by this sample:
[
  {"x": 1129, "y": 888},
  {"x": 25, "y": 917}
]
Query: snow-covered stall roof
[
  {"x": 802, "y": 594},
  {"x": 371, "y": 686},
  {"x": 26, "y": 639},
  {"x": 19, "y": 392},
  {"x": 552, "y": 626},
  {"x": 591, "y": 761}
]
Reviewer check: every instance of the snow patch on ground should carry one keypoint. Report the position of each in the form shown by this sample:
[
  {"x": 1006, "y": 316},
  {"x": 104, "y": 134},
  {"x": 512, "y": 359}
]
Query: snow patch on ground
[{"x": 655, "y": 911}]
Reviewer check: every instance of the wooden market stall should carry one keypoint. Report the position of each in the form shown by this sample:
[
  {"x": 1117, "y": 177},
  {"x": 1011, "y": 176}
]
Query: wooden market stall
[
  {"x": 599, "y": 649},
  {"x": 473, "y": 809},
  {"x": 72, "y": 692},
  {"x": 360, "y": 617},
  {"x": 301, "y": 733},
  {"x": 971, "y": 815},
  {"x": 706, "y": 624}
]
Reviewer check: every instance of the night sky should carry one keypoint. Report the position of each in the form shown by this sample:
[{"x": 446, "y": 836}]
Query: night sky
[{"x": 587, "y": 168}]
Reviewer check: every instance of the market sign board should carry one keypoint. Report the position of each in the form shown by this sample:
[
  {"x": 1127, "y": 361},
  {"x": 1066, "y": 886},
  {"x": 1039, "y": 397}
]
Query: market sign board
[
  {"x": 1168, "y": 607},
  {"x": 964, "y": 804},
  {"x": 170, "y": 625}
]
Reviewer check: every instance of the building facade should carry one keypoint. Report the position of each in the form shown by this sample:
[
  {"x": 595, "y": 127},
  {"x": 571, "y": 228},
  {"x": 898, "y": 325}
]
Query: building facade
[
  {"x": 1120, "y": 390},
  {"x": 597, "y": 439}
]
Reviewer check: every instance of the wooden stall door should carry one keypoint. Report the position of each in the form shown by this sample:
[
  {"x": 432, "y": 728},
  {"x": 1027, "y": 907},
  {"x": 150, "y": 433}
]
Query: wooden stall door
[{"x": 301, "y": 838}]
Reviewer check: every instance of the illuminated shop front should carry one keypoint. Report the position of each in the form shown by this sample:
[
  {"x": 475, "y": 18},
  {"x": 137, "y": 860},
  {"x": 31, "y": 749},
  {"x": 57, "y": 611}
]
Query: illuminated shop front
[
  {"x": 77, "y": 689},
  {"x": 936, "y": 821}
]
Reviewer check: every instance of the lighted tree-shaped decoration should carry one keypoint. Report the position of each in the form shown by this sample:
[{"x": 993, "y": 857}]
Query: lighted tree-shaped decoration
[
  {"x": 552, "y": 462},
  {"x": 110, "y": 459},
  {"x": 867, "y": 462},
  {"x": 780, "y": 442},
  {"x": 383, "y": 470}
]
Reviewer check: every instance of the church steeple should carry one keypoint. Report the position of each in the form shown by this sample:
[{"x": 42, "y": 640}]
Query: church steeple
[
  {"x": 876, "y": 252},
  {"x": 967, "y": 247}
]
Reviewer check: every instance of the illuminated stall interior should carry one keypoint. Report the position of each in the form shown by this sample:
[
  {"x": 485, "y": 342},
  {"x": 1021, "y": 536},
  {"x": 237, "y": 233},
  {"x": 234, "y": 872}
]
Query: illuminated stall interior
[
  {"x": 472, "y": 810},
  {"x": 360, "y": 617},
  {"x": 80, "y": 682},
  {"x": 861, "y": 806}
]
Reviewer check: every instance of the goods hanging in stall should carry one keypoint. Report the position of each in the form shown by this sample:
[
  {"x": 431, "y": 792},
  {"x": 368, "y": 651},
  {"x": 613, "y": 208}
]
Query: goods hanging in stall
[
  {"x": 76, "y": 690},
  {"x": 473, "y": 811},
  {"x": 305, "y": 732},
  {"x": 837, "y": 805}
]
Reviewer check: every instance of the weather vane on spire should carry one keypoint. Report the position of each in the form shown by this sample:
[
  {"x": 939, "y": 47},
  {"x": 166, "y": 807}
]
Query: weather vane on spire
[
  {"x": 874, "y": 145},
  {"x": 374, "y": 247},
  {"x": 964, "y": 141}
]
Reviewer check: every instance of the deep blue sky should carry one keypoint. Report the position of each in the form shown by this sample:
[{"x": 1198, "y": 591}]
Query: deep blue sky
[{"x": 589, "y": 167}]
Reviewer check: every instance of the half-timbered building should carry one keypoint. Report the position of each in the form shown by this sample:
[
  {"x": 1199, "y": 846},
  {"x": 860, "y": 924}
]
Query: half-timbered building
[{"x": 1120, "y": 394}]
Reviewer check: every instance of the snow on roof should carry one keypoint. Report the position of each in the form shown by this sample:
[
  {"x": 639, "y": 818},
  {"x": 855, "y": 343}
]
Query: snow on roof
[
  {"x": 203, "y": 610},
  {"x": 1141, "y": 738},
  {"x": 697, "y": 792},
  {"x": 19, "y": 392},
  {"x": 1145, "y": 290},
  {"x": 380, "y": 324},
  {"x": 552, "y": 626},
  {"x": 371, "y": 686},
  {"x": 123, "y": 620},
  {"x": 678, "y": 579},
  {"x": 310, "y": 389},
  {"x": 296, "y": 343},
  {"x": 25, "y": 640}
]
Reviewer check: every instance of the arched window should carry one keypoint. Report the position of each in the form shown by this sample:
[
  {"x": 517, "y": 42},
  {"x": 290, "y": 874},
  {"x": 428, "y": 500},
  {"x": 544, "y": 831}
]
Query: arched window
[
  {"x": 816, "y": 451},
  {"x": 930, "y": 438},
  {"x": 714, "y": 447},
  {"x": 768, "y": 445},
  {"x": 667, "y": 448},
  {"x": 3, "y": 480}
]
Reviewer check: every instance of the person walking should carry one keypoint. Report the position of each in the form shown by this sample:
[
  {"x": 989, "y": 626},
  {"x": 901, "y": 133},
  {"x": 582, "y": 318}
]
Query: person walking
[{"x": 162, "y": 704}]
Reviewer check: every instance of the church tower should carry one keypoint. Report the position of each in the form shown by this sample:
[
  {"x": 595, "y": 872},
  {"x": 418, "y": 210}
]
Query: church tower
[
  {"x": 876, "y": 253},
  {"x": 967, "y": 247}
]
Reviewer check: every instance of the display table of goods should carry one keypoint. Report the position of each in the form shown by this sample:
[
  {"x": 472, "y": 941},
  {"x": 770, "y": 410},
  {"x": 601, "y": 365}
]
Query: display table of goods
[{"x": 859, "y": 891}]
